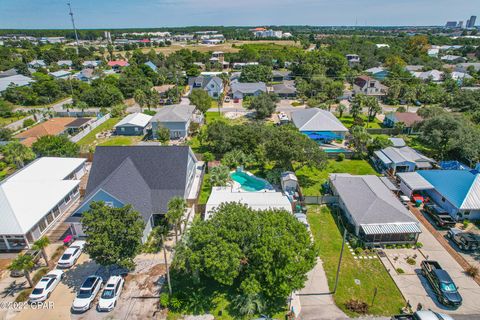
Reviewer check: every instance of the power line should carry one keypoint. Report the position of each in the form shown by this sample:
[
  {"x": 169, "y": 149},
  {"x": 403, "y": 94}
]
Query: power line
[{"x": 73, "y": 24}]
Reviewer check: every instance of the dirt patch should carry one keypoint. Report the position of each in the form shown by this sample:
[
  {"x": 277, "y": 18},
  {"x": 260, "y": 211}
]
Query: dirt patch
[
  {"x": 157, "y": 270},
  {"x": 4, "y": 263}
]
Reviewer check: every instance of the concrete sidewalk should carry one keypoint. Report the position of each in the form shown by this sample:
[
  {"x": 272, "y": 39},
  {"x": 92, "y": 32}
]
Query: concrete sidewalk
[{"x": 316, "y": 299}]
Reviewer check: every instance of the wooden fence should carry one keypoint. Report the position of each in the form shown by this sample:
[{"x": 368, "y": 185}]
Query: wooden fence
[
  {"x": 326, "y": 199},
  {"x": 92, "y": 126}
]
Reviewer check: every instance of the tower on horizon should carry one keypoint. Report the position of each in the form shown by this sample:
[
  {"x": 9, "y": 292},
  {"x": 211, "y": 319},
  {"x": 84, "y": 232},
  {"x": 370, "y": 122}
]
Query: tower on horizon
[{"x": 471, "y": 22}]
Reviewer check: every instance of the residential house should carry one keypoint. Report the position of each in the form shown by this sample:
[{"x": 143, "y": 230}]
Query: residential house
[
  {"x": 409, "y": 120},
  {"x": 8, "y": 73},
  {"x": 91, "y": 64},
  {"x": 369, "y": 87},
  {"x": 151, "y": 65},
  {"x": 79, "y": 124},
  {"x": 65, "y": 63},
  {"x": 433, "y": 52},
  {"x": 86, "y": 75},
  {"x": 240, "y": 65},
  {"x": 464, "y": 67},
  {"x": 456, "y": 191},
  {"x": 460, "y": 76},
  {"x": 176, "y": 118},
  {"x": 241, "y": 90},
  {"x": 51, "y": 127},
  {"x": 254, "y": 200},
  {"x": 36, "y": 64},
  {"x": 145, "y": 177},
  {"x": 431, "y": 75},
  {"x": 378, "y": 73},
  {"x": 34, "y": 198},
  {"x": 452, "y": 59},
  {"x": 134, "y": 124},
  {"x": 281, "y": 75},
  {"x": 382, "y": 45},
  {"x": 402, "y": 159},
  {"x": 235, "y": 77},
  {"x": 318, "y": 124},
  {"x": 374, "y": 213},
  {"x": 353, "y": 59},
  {"x": 414, "y": 68},
  {"x": 18, "y": 80},
  {"x": 285, "y": 90},
  {"x": 213, "y": 85},
  {"x": 118, "y": 65},
  {"x": 60, "y": 74},
  {"x": 162, "y": 92}
]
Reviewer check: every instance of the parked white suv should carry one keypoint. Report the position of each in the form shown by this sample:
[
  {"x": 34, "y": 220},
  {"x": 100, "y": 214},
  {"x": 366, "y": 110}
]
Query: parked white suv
[
  {"x": 71, "y": 255},
  {"x": 45, "y": 286},
  {"x": 87, "y": 293},
  {"x": 111, "y": 293}
]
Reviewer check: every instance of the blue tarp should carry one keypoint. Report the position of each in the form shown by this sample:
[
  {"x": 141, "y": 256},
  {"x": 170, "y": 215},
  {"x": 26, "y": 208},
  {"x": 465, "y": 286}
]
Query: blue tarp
[{"x": 453, "y": 165}]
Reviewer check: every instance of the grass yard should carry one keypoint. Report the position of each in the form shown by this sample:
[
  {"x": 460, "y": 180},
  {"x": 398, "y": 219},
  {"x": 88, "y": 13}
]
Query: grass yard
[
  {"x": 311, "y": 179},
  {"x": 348, "y": 122},
  {"x": 7, "y": 121},
  {"x": 90, "y": 139},
  {"x": 371, "y": 273},
  {"x": 206, "y": 189},
  {"x": 213, "y": 116},
  {"x": 121, "y": 141}
]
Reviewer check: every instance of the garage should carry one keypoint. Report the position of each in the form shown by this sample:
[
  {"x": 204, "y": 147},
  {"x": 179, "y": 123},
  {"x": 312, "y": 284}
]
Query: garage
[{"x": 411, "y": 182}]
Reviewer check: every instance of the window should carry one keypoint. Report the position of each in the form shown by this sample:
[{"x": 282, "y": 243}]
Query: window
[
  {"x": 109, "y": 204},
  {"x": 136, "y": 129},
  {"x": 122, "y": 129}
]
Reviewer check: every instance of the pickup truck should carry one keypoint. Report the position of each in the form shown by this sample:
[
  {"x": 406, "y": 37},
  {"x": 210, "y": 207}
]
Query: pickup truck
[
  {"x": 441, "y": 217},
  {"x": 466, "y": 241},
  {"x": 441, "y": 283},
  {"x": 423, "y": 315}
]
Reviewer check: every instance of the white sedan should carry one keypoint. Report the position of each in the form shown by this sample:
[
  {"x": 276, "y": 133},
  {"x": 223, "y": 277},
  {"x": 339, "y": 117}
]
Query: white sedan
[
  {"x": 110, "y": 294},
  {"x": 71, "y": 255},
  {"x": 45, "y": 286}
]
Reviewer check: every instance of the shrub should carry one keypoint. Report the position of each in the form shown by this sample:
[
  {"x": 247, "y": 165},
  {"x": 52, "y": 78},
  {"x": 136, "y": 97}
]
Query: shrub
[
  {"x": 358, "y": 250},
  {"x": 465, "y": 224},
  {"x": 419, "y": 245},
  {"x": 28, "y": 122},
  {"x": 411, "y": 261},
  {"x": 400, "y": 271},
  {"x": 149, "y": 112},
  {"x": 473, "y": 271},
  {"x": 164, "y": 300},
  {"x": 357, "y": 306},
  {"x": 58, "y": 252},
  {"x": 340, "y": 157},
  {"x": 163, "y": 134},
  {"x": 23, "y": 296},
  {"x": 39, "y": 274},
  {"x": 296, "y": 104}
]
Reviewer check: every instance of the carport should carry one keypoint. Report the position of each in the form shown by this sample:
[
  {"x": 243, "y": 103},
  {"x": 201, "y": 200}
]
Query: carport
[{"x": 411, "y": 182}]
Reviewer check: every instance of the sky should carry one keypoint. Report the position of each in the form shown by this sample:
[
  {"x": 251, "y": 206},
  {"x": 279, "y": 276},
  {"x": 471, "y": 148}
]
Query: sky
[{"x": 39, "y": 14}]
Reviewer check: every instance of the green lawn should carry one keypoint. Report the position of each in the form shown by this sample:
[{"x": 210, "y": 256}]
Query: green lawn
[
  {"x": 348, "y": 122},
  {"x": 90, "y": 139},
  {"x": 121, "y": 141},
  {"x": 371, "y": 273},
  {"x": 6, "y": 121},
  {"x": 213, "y": 116},
  {"x": 206, "y": 189},
  {"x": 311, "y": 179}
]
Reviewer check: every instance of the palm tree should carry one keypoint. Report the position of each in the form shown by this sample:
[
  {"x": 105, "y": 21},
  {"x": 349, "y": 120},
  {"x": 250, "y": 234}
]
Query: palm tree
[
  {"x": 341, "y": 108},
  {"x": 219, "y": 176},
  {"x": 176, "y": 209},
  {"x": 41, "y": 244},
  {"x": 153, "y": 99},
  {"x": 25, "y": 264},
  {"x": 82, "y": 105},
  {"x": 140, "y": 97},
  {"x": 16, "y": 153}
]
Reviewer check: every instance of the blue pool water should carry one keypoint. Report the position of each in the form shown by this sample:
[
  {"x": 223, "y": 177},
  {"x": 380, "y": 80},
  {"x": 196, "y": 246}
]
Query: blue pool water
[
  {"x": 248, "y": 182},
  {"x": 336, "y": 150}
]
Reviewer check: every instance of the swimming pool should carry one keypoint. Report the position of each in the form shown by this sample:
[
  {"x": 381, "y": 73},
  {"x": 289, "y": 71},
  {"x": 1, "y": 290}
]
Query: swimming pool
[
  {"x": 338, "y": 150},
  {"x": 249, "y": 182}
]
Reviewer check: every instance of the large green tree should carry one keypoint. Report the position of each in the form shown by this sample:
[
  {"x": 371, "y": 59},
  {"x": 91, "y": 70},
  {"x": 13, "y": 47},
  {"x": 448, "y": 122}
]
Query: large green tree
[
  {"x": 17, "y": 154},
  {"x": 264, "y": 105},
  {"x": 256, "y": 73},
  {"x": 259, "y": 255},
  {"x": 114, "y": 235},
  {"x": 175, "y": 212},
  {"x": 23, "y": 263},
  {"x": 55, "y": 146},
  {"x": 200, "y": 99}
]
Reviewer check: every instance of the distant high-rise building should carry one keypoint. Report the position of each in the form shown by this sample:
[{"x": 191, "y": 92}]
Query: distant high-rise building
[
  {"x": 471, "y": 22},
  {"x": 460, "y": 24},
  {"x": 451, "y": 24}
]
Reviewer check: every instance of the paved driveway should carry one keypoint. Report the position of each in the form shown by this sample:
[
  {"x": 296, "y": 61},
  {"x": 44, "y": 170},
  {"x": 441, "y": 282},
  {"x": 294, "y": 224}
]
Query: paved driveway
[
  {"x": 315, "y": 298},
  {"x": 416, "y": 289}
]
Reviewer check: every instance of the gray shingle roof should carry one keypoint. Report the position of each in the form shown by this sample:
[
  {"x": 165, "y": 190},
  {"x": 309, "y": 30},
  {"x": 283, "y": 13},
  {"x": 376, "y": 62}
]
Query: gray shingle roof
[
  {"x": 405, "y": 154},
  {"x": 368, "y": 200},
  {"x": 174, "y": 113},
  {"x": 145, "y": 176},
  {"x": 203, "y": 81},
  {"x": 315, "y": 119},
  {"x": 246, "y": 87}
]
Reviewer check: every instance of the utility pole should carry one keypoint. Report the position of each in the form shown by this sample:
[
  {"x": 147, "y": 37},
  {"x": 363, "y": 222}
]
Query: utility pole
[
  {"x": 166, "y": 265},
  {"x": 340, "y": 260},
  {"x": 73, "y": 23}
]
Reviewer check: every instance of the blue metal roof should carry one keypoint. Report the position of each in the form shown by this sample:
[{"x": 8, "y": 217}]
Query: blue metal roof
[{"x": 454, "y": 185}]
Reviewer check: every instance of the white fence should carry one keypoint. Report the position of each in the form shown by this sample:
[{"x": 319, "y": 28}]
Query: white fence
[{"x": 92, "y": 126}]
